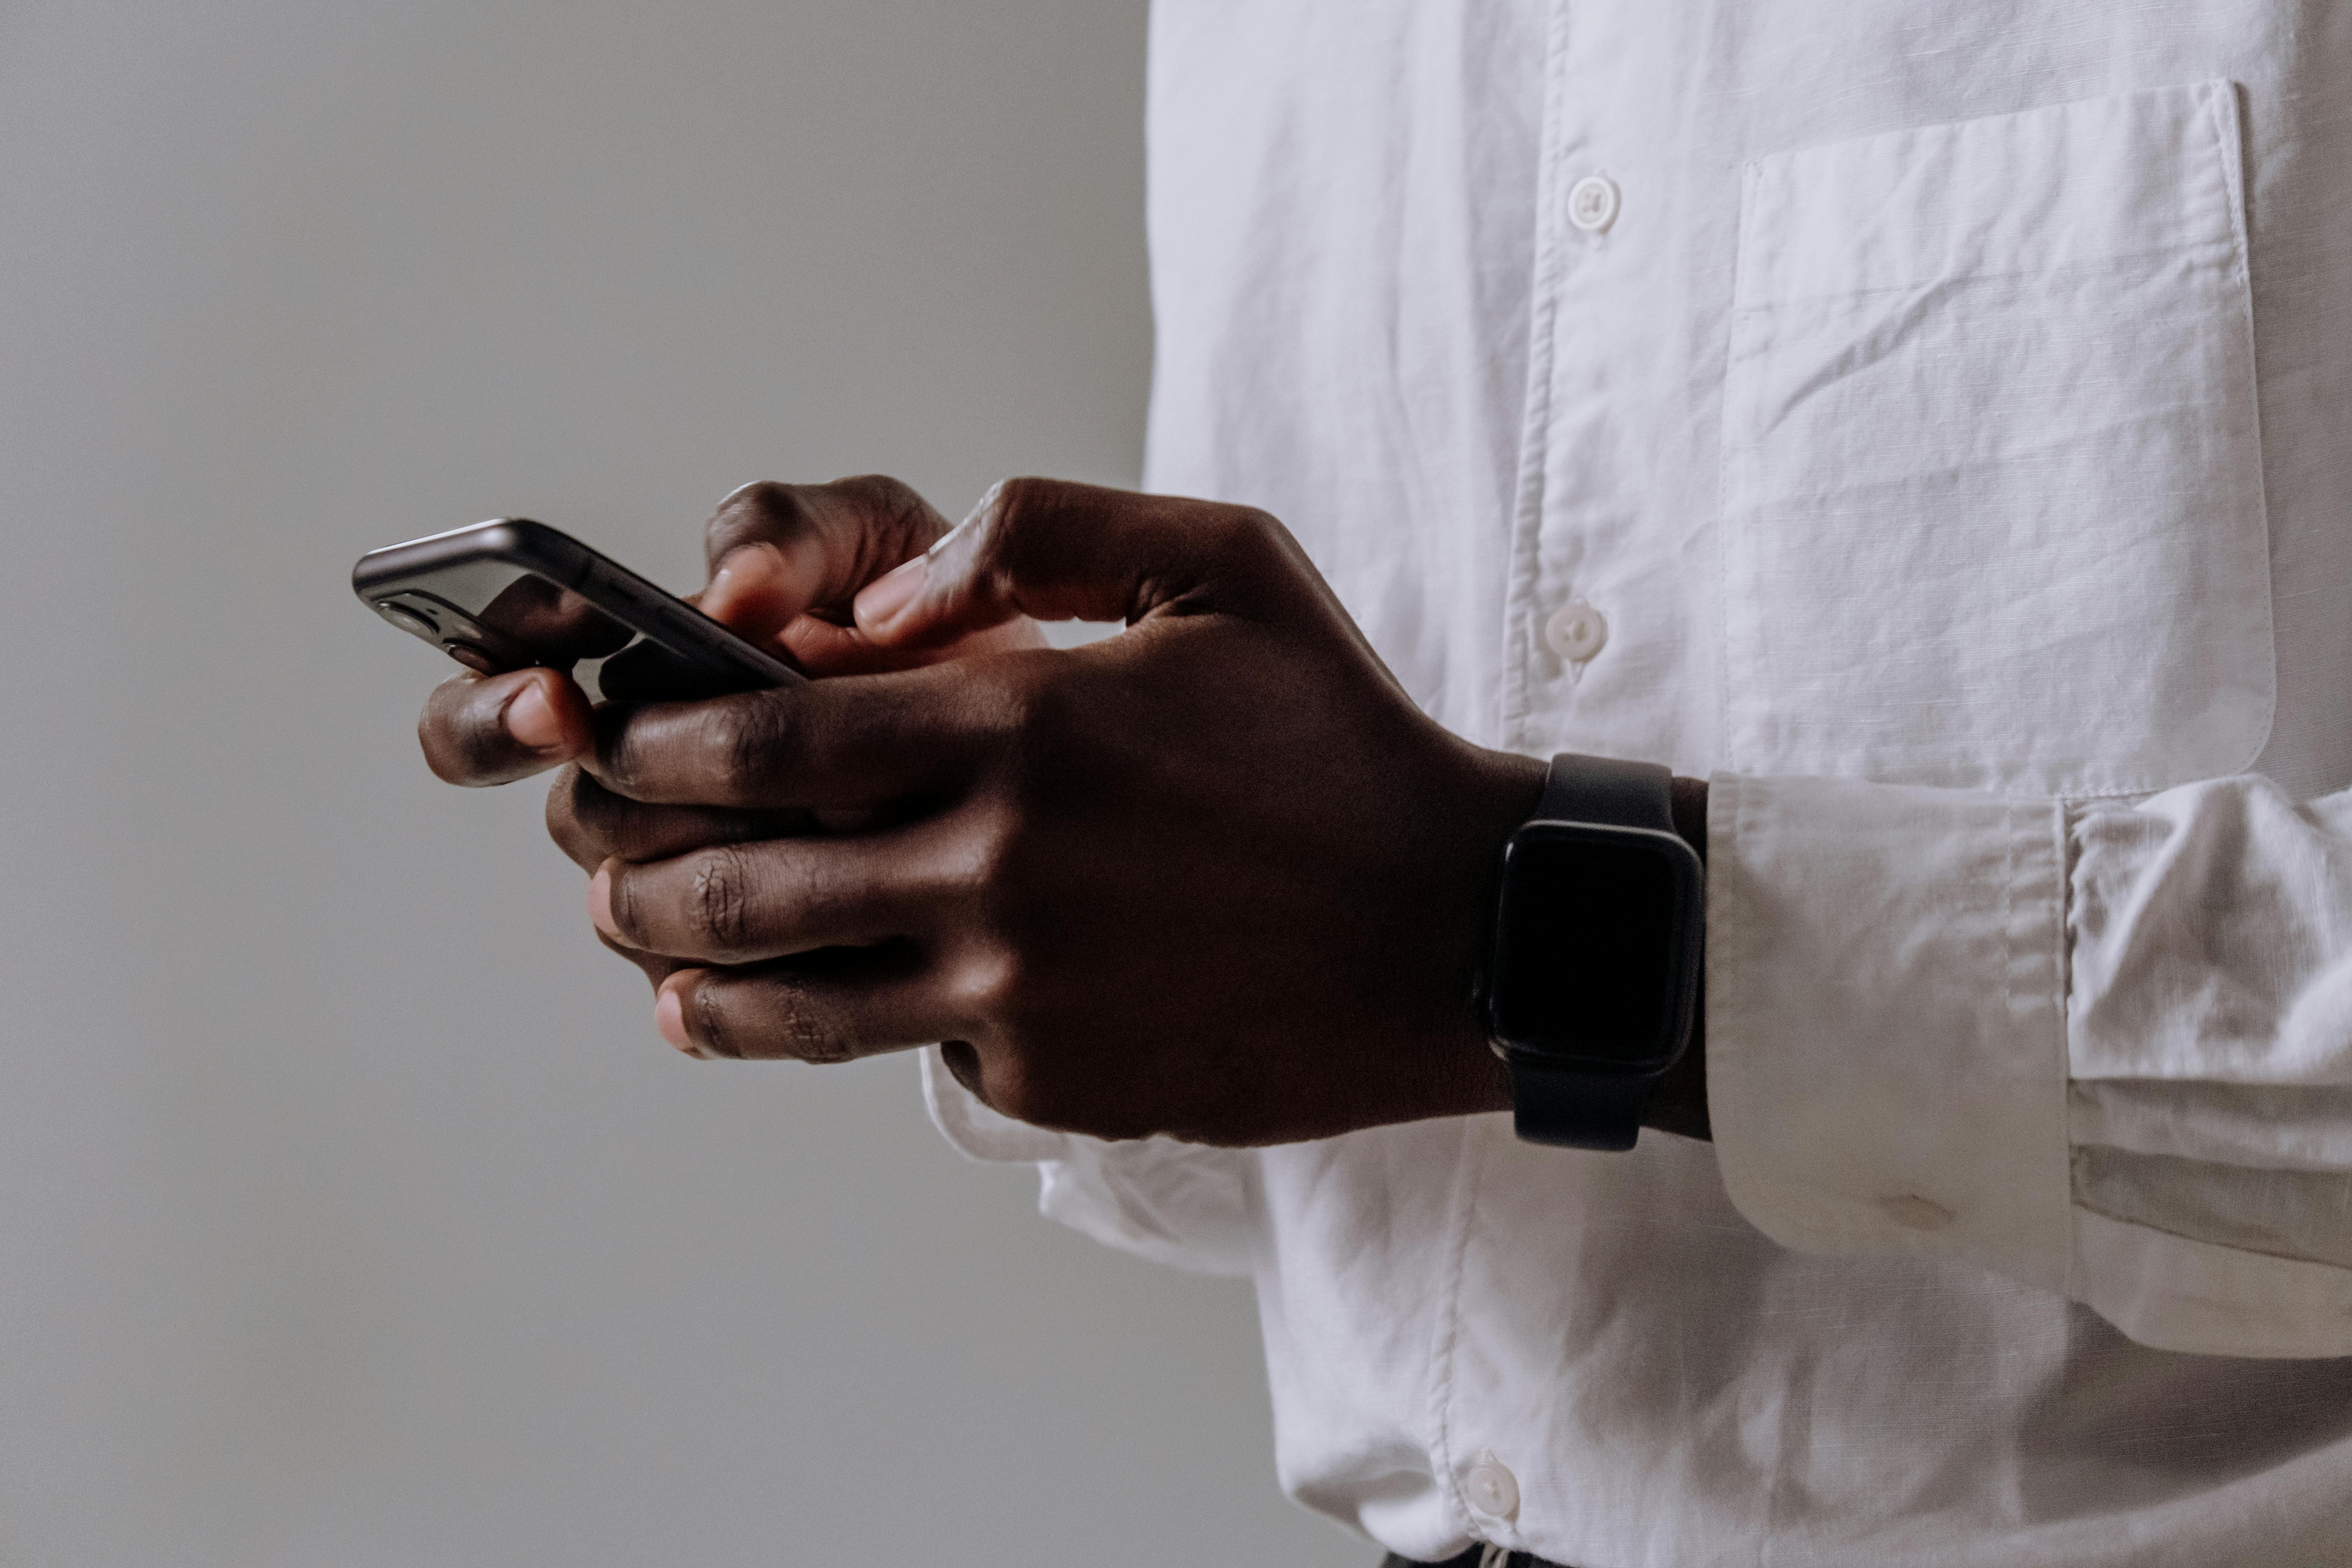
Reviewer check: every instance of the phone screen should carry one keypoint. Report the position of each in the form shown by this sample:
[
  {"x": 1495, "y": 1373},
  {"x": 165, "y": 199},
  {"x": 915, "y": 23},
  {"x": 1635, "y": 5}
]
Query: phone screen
[{"x": 494, "y": 615}]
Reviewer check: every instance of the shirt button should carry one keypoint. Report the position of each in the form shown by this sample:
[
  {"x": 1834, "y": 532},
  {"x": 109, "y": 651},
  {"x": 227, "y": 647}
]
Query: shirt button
[
  {"x": 1576, "y": 632},
  {"x": 1492, "y": 1489},
  {"x": 1593, "y": 203}
]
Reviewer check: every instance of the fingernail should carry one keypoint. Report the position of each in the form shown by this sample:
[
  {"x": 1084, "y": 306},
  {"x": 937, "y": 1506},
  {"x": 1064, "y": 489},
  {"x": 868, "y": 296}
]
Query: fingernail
[
  {"x": 670, "y": 1016},
  {"x": 600, "y": 903},
  {"x": 530, "y": 718},
  {"x": 741, "y": 571},
  {"x": 980, "y": 509},
  {"x": 883, "y": 598}
]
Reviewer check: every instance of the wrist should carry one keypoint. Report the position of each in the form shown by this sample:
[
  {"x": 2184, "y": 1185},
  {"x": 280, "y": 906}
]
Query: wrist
[
  {"x": 1471, "y": 1078},
  {"x": 1679, "y": 1106},
  {"x": 1596, "y": 1041},
  {"x": 1505, "y": 795}
]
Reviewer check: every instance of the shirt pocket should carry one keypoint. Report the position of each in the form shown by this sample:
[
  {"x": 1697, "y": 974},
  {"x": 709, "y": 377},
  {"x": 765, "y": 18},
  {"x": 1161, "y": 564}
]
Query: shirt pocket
[{"x": 1992, "y": 472}]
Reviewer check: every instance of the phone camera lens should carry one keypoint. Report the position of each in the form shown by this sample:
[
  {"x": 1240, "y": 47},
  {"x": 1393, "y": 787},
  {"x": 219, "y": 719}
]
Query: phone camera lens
[{"x": 406, "y": 619}]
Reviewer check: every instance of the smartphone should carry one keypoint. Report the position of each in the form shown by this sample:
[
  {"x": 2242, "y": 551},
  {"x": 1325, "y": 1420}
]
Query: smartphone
[{"x": 510, "y": 593}]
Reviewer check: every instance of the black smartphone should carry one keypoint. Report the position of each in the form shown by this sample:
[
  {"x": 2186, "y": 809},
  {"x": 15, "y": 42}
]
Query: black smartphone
[{"x": 510, "y": 593}]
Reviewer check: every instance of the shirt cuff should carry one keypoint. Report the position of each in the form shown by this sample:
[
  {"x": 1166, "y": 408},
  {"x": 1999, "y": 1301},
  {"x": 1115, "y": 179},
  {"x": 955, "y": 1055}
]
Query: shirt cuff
[
  {"x": 1178, "y": 1204},
  {"x": 1885, "y": 1019}
]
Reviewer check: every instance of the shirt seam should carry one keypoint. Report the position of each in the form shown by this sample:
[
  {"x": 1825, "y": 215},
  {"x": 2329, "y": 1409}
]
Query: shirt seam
[
  {"x": 1526, "y": 514},
  {"x": 1472, "y": 1166},
  {"x": 1723, "y": 451},
  {"x": 2063, "y": 959},
  {"x": 1519, "y": 642},
  {"x": 2229, "y": 152}
]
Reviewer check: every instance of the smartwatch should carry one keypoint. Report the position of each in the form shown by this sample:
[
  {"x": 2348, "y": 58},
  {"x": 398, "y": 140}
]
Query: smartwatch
[{"x": 1594, "y": 977}]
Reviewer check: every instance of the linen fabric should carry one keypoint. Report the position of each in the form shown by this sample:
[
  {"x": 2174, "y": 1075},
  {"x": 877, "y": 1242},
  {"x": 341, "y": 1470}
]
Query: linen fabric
[{"x": 1933, "y": 423}]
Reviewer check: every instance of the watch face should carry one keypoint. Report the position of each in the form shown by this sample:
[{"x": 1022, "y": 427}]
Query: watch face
[{"x": 1596, "y": 944}]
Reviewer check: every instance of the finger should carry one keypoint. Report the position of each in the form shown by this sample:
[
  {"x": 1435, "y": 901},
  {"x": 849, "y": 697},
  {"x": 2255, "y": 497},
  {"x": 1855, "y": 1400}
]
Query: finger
[
  {"x": 592, "y": 825},
  {"x": 827, "y": 1007},
  {"x": 1057, "y": 552},
  {"x": 743, "y": 903},
  {"x": 778, "y": 553},
  {"x": 850, "y": 741},
  {"x": 822, "y": 647},
  {"x": 491, "y": 730}
]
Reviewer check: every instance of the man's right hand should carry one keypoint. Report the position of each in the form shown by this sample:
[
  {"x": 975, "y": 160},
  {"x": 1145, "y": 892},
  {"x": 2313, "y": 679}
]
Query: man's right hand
[{"x": 785, "y": 562}]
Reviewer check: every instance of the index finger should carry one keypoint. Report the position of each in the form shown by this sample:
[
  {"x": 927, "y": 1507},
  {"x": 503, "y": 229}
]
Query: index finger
[
  {"x": 851, "y": 741},
  {"x": 777, "y": 552}
]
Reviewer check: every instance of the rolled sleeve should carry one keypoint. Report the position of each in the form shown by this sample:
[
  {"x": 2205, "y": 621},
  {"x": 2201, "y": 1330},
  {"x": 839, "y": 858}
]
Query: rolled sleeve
[
  {"x": 2103, "y": 1047},
  {"x": 2211, "y": 1045}
]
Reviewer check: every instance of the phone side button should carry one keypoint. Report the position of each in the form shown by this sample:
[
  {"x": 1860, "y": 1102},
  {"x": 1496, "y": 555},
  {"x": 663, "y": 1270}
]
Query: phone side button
[{"x": 472, "y": 658}]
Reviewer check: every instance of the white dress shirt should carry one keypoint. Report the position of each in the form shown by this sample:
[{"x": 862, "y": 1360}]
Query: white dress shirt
[{"x": 1932, "y": 421}]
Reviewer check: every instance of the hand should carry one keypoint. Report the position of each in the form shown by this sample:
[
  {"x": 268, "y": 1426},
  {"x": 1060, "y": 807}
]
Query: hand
[
  {"x": 1216, "y": 876},
  {"x": 784, "y": 562}
]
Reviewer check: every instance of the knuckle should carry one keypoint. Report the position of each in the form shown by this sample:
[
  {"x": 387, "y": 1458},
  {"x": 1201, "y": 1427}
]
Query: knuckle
[
  {"x": 1002, "y": 989},
  {"x": 996, "y": 873},
  {"x": 621, "y": 749},
  {"x": 713, "y": 1028},
  {"x": 1012, "y": 526},
  {"x": 1022, "y": 497},
  {"x": 1246, "y": 534},
  {"x": 1054, "y": 754},
  {"x": 1046, "y": 710},
  {"x": 745, "y": 737},
  {"x": 996, "y": 701},
  {"x": 893, "y": 500},
  {"x": 718, "y": 909},
  {"x": 765, "y": 510},
  {"x": 608, "y": 821},
  {"x": 809, "y": 1036}
]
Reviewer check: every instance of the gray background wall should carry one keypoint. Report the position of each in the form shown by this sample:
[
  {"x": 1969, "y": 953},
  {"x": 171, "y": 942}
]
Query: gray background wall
[{"x": 351, "y": 1212}]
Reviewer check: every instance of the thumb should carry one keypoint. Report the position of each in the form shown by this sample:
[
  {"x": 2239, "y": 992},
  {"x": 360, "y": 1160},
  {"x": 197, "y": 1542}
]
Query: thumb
[{"x": 1055, "y": 551}]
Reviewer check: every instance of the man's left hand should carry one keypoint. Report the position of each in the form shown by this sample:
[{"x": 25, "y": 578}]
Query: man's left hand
[{"x": 1215, "y": 877}]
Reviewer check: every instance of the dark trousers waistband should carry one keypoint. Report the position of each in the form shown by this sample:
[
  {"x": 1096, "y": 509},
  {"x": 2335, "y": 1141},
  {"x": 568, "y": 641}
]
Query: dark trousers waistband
[{"x": 1476, "y": 1557}]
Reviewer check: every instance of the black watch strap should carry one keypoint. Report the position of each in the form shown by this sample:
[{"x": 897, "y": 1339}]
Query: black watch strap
[
  {"x": 1573, "y": 1109},
  {"x": 1604, "y": 790},
  {"x": 1565, "y": 1105}
]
